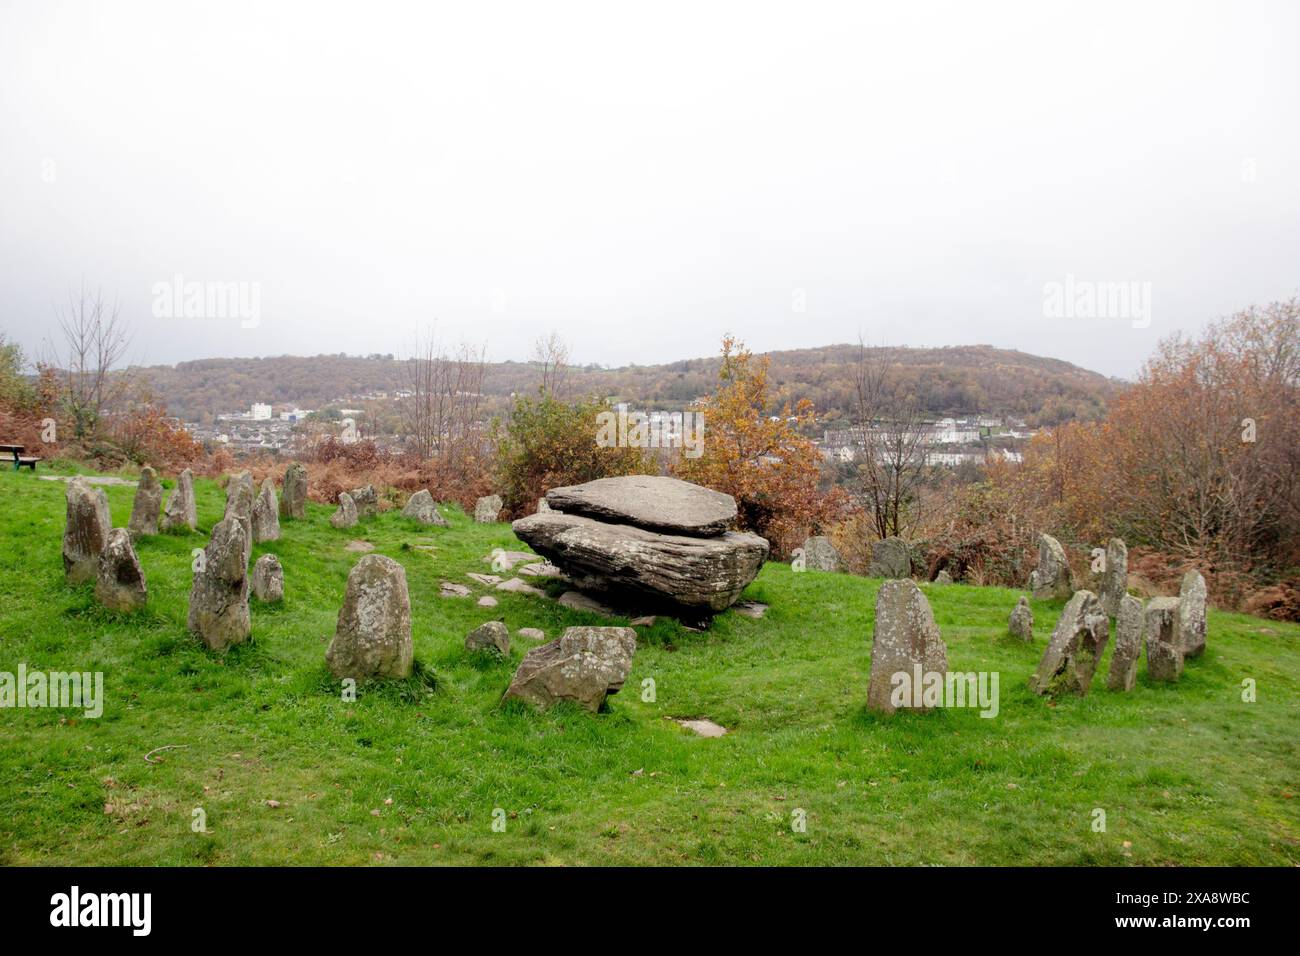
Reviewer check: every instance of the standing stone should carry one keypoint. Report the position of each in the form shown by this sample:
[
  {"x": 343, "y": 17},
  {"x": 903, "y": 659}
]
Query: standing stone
[
  {"x": 373, "y": 636},
  {"x": 890, "y": 558},
  {"x": 423, "y": 509},
  {"x": 493, "y": 636},
  {"x": 346, "y": 516},
  {"x": 1114, "y": 579},
  {"x": 239, "y": 505},
  {"x": 268, "y": 579},
  {"x": 1191, "y": 614},
  {"x": 906, "y": 649},
  {"x": 487, "y": 510},
  {"x": 293, "y": 499},
  {"x": 943, "y": 577},
  {"x": 1074, "y": 649},
  {"x": 542, "y": 506},
  {"x": 820, "y": 555},
  {"x": 219, "y": 595},
  {"x": 1021, "y": 624},
  {"x": 148, "y": 502},
  {"x": 1128, "y": 645},
  {"x": 181, "y": 510},
  {"x": 120, "y": 585},
  {"x": 1052, "y": 579},
  {"x": 85, "y": 532},
  {"x": 1164, "y": 645},
  {"x": 585, "y": 664},
  {"x": 366, "y": 500},
  {"x": 266, "y": 514}
]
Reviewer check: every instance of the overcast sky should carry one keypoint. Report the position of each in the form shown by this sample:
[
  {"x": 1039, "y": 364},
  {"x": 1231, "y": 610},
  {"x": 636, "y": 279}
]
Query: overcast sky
[{"x": 643, "y": 178}]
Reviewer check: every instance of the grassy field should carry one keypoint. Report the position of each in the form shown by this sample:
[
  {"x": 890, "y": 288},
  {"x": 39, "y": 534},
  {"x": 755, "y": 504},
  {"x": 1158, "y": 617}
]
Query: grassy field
[{"x": 412, "y": 773}]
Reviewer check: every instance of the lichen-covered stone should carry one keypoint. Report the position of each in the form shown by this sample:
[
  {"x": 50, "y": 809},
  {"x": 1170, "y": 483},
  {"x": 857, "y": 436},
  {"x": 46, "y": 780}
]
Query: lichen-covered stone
[
  {"x": 905, "y": 637},
  {"x": 492, "y": 636},
  {"x": 652, "y": 502},
  {"x": 1076, "y": 645},
  {"x": 373, "y": 635},
  {"x": 366, "y": 500},
  {"x": 346, "y": 515},
  {"x": 487, "y": 509},
  {"x": 1021, "y": 623},
  {"x": 266, "y": 514},
  {"x": 85, "y": 532},
  {"x": 890, "y": 558},
  {"x": 181, "y": 512},
  {"x": 1114, "y": 579},
  {"x": 584, "y": 665},
  {"x": 1128, "y": 645},
  {"x": 219, "y": 594},
  {"x": 148, "y": 503},
  {"x": 120, "y": 584},
  {"x": 1191, "y": 614},
  {"x": 422, "y": 508},
  {"x": 1164, "y": 644},
  {"x": 268, "y": 579},
  {"x": 1052, "y": 579},
  {"x": 240, "y": 494},
  {"x": 820, "y": 555},
  {"x": 293, "y": 496}
]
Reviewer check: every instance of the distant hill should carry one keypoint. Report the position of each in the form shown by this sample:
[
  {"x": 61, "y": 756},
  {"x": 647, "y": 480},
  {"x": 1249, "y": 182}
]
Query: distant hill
[{"x": 954, "y": 380}]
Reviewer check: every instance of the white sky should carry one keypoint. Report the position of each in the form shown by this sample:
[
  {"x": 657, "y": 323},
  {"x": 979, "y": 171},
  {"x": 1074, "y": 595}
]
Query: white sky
[{"x": 644, "y": 178}]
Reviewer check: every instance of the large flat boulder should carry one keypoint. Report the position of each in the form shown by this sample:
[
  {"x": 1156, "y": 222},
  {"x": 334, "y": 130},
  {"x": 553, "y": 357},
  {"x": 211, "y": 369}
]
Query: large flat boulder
[
  {"x": 652, "y": 502},
  {"x": 634, "y": 567}
]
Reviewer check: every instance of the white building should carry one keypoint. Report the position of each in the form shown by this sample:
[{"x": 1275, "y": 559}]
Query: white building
[{"x": 260, "y": 412}]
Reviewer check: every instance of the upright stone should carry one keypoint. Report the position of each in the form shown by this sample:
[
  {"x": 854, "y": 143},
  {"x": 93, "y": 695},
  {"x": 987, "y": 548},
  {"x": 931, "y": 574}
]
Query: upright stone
[
  {"x": 492, "y": 636},
  {"x": 1128, "y": 645},
  {"x": 1052, "y": 579},
  {"x": 219, "y": 595},
  {"x": 346, "y": 515},
  {"x": 906, "y": 649},
  {"x": 266, "y": 513},
  {"x": 943, "y": 577},
  {"x": 1021, "y": 624},
  {"x": 85, "y": 532},
  {"x": 366, "y": 501},
  {"x": 584, "y": 665},
  {"x": 181, "y": 509},
  {"x": 268, "y": 579},
  {"x": 1074, "y": 649},
  {"x": 148, "y": 503},
  {"x": 239, "y": 505},
  {"x": 293, "y": 497},
  {"x": 1191, "y": 614},
  {"x": 422, "y": 508},
  {"x": 488, "y": 509},
  {"x": 373, "y": 635},
  {"x": 1114, "y": 579},
  {"x": 820, "y": 555},
  {"x": 1164, "y": 645},
  {"x": 120, "y": 585},
  {"x": 890, "y": 558}
]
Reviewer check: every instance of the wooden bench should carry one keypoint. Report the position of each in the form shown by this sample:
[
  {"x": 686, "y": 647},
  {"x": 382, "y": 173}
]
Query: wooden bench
[{"x": 19, "y": 459}]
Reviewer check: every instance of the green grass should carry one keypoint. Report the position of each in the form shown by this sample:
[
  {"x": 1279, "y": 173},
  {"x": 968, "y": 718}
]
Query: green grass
[{"x": 411, "y": 773}]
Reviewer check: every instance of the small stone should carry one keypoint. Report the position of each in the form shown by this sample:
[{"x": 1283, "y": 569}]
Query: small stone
[
  {"x": 346, "y": 515},
  {"x": 422, "y": 508},
  {"x": 703, "y": 727},
  {"x": 487, "y": 579},
  {"x": 268, "y": 579},
  {"x": 147, "y": 504},
  {"x": 584, "y": 665},
  {"x": 366, "y": 500},
  {"x": 542, "y": 506},
  {"x": 820, "y": 555},
  {"x": 503, "y": 560},
  {"x": 1021, "y": 624},
  {"x": 519, "y": 586},
  {"x": 532, "y": 633},
  {"x": 120, "y": 585},
  {"x": 487, "y": 509},
  {"x": 492, "y": 636},
  {"x": 359, "y": 547},
  {"x": 486, "y": 601},
  {"x": 750, "y": 609},
  {"x": 943, "y": 577},
  {"x": 647, "y": 620},
  {"x": 540, "y": 569},
  {"x": 448, "y": 589},
  {"x": 890, "y": 558}
]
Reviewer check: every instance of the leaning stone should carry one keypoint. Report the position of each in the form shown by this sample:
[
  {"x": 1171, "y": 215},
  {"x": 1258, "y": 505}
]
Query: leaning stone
[
  {"x": 120, "y": 585},
  {"x": 268, "y": 579},
  {"x": 266, "y": 514},
  {"x": 1114, "y": 579},
  {"x": 1191, "y": 614},
  {"x": 373, "y": 635},
  {"x": 293, "y": 497},
  {"x": 85, "y": 531},
  {"x": 219, "y": 595},
  {"x": 1075, "y": 648},
  {"x": 653, "y": 502},
  {"x": 488, "y": 509},
  {"x": 423, "y": 509},
  {"x": 820, "y": 555},
  {"x": 346, "y": 515},
  {"x": 1164, "y": 646},
  {"x": 1128, "y": 645},
  {"x": 907, "y": 650},
  {"x": 181, "y": 511},
  {"x": 1021, "y": 624},
  {"x": 1052, "y": 579},
  {"x": 890, "y": 558},
  {"x": 492, "y": 636},
  {"x": 584, "y": 665},
  {"x": 147, "y": 504},
  {"x": 366, "y": 500}
]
